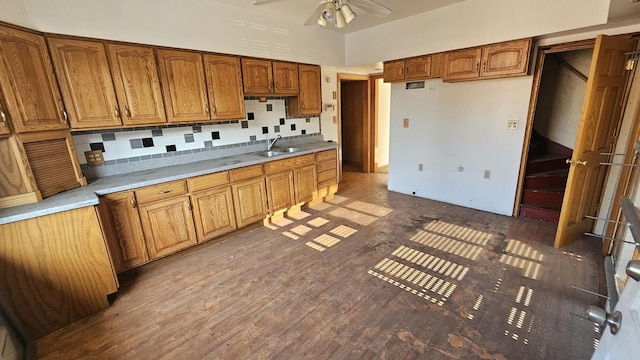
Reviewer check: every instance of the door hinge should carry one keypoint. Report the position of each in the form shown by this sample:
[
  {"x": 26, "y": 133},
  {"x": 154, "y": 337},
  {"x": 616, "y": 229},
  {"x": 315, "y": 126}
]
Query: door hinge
[{"x": 631, "y": 63}]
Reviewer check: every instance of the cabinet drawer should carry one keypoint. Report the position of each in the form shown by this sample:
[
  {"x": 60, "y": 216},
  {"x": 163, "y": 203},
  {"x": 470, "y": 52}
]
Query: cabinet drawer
[
  {"x": 327, "y": 165},
  {"x": 289, "y": 164},
  {"x": 326, "y": 155},
  {"x": 161, "y": 191},
  {"x": 208, "y": 181},
  {"x": 246, "y": 172},
  {"x": 326, "y": 175}
]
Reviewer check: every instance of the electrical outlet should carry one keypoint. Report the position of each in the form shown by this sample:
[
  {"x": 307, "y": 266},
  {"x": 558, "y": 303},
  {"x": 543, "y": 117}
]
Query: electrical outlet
[
  {"x": 405, "y": 123},
  {"x": 512, "y": 124},
  {"x": 420, "y": 167},
  {"x": 94, "y": 157},
  {"x": 335, "y": 94},
  {"x": 487, "y": 174}
]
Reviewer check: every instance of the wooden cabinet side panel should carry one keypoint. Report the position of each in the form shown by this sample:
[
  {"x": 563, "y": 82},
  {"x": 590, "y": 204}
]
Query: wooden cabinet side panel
[
  {"x": 462, "y": 64},
  {"x": 213, "y": 213},
  {"x": 55, "y": 269},
  {"x": 506, "y": 59},
  {"x": 257, "y": 77},
  {"x": 285, "y": 78},
  {"x": 12, "y": 179},
  {"x": 280, "y": 191},
  {"x": 137, "y": 84},
  {"x": 33, "y": 100},
  {"x": 306, "y": 184},
  {"x": 250, "y": 202},
  {"x": 167, "y": 226},
  {"x": 183, "y": 85},
  {"x": 85, "y": 80},
  {"x": 224, "y": 81}
]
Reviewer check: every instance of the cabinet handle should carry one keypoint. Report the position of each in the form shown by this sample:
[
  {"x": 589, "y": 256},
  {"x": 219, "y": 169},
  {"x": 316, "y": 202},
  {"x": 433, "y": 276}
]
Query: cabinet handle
[
  {"x": 215, "y": 110},
  {"x": 189, "y": 205},
  {"x": 164, "y": 192},
  {"x": 116, "y": 111},
  {"x": 271, "y": 85},
  {"x": 207, "y": 110},
  {"x": 484, "y": 66},
  {"x": 4, "y": 118},
  {"x": 65, "y": 116},
  {"x": 134, "y": 204},
  {"x": 477, "y": 66},
  {"x": 127, "y": 112}
]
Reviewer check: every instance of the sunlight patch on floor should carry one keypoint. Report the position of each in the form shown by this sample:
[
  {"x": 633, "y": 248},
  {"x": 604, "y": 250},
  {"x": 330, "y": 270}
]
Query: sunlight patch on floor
[
  {"x": 298, "y": 215},
  {"x": 353, "y": 216},
  {"x": 318, "y": 222},
  {"x": 343, "y": 231},
  {"x": 446, "y": 244},
  {"x": 433, "y": 263},
  {"x": 338, "y": 200},
  {"x": 370, "y": 209}
]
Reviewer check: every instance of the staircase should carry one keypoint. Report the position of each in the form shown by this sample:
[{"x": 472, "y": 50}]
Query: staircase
[{"x": 546, "y": 178}]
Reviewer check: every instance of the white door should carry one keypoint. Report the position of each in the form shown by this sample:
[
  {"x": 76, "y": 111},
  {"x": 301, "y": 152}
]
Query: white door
[{"x": 624, "y": 345}]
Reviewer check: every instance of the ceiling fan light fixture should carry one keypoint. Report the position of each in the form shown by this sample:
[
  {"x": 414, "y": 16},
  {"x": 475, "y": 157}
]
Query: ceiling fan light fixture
[
  {"x": 340, "y": 21},
  {"x": 329, "y": 12},
  {"x": 322, "y": 22},
  {"x": 348, "y": 13}
]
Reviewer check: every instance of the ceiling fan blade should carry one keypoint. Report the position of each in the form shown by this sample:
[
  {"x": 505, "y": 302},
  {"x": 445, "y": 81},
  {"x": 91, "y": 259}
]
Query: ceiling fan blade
[
  {"x": 264, "y": 2},
  {"x": 313, "y": 19},
  {"x": 371, "y": 7}
]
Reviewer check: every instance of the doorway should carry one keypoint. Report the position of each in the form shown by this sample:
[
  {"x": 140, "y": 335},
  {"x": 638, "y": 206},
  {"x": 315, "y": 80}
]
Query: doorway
[{"x": 354, "y": 125}]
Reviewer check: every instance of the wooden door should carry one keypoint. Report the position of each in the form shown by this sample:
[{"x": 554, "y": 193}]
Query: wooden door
[
  {"x": 393, "y": 71},
  {"x": 285, "y": 78},
  {"x": 418, "y": 68},
  {"x": 85, "y": 80},
  {"x": 168, "y": 226},
  {"x": 213, "y": 213},
  {"x": 250, "y": 202},
  {"x": 280, "y": 191},
  {"x": 183, "y": 86},
  {"x": 353, "y": 121},
  {"x": 135, "y": 77},
  {"x": 224, "y": 82},
  {"x": 599, "y": 121},
  {"x": 27, "y": 83},
  {"x": 506, "y": 59},
  {"x": 306, "y": 181},
  {"x": 310, "y": 90},
  {"x": 462, "y": 64},
  {"x": 257, "y": 76},
  {"x": 123, "y": 230}
]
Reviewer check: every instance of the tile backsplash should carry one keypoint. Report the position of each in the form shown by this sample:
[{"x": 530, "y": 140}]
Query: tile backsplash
[{"x": 125, "y": 150}]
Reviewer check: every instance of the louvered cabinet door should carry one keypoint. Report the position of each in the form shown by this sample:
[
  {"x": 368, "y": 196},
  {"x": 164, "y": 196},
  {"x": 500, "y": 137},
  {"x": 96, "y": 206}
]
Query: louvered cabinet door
[
  {"x": 137, "y": 84},
  {"x": 85, "y": 80},
  {"x": 183, "y": 85},
  {"x": 31, "y": 94},
  {"x": 224, "y": 83}
]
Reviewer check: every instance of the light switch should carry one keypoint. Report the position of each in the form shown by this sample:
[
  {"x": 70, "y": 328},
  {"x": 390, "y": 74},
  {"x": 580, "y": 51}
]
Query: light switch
[{"x": 405, "y": 123}]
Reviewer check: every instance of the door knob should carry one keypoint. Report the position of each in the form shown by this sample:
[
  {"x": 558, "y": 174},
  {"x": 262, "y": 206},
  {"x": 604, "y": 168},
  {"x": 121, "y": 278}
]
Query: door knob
[
  {"x": 577, "y": 162},
  {"x": 600, "y": 317},
  {"x": 633, "y": 269}
]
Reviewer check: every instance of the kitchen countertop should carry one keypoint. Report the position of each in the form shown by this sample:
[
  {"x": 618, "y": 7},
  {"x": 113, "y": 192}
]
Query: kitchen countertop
[{"x": 88, "y": 195}]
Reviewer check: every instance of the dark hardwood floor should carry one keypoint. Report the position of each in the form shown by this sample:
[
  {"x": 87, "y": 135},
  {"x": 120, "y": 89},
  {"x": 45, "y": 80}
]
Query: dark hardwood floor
[{"x": 371, "y": 275}]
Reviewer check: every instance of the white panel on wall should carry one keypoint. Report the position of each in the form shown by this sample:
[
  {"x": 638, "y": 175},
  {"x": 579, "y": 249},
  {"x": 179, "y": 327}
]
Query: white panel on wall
[
  {"x": 192, "y": 24},
  {"x": 457, "y": 131},
  {"x": 471, "y": 23}
]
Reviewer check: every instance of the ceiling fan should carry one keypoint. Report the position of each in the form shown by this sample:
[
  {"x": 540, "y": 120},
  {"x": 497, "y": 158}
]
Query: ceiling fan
[{"x": 338, "y": 10}]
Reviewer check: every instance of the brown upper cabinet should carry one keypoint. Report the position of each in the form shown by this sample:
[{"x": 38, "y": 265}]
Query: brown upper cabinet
[
  {"x": 224, "y": 82},
  {"x": 135, "y": 77},
  {"x": 416, "y": 68},
  {"x": 491, "y": 61},
  {"x": 309, "y": 102},
  {"x": 27, "y": 84},
  {"x": 265, "y": 77},
  {"x": 4, "y": 120},
  {"x": 85, "y": 80}
]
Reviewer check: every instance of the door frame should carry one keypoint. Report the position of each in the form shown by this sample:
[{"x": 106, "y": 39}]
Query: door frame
[
  {"x": 543, "y": 51},
  {"x": 374, "y": 121},
  {"x": 367, "y": 128}
]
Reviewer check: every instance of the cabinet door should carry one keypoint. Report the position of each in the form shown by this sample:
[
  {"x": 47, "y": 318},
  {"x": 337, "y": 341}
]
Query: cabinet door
[
  {"x": 418, "y": 68},
  {"x": 122, "y": 229},
  {"x": 310, "y": 100},
  {"x": 183, "y": 86},
  {"x": 285, "y": 78},
  {"x": 506, "y": 59},
  {"x": 462, "y": 64},
  {"x": 249, "y": 199},
  {"x": 33, "y": 101},
  {"x": 305, "y": 180},
  {"x": 393, "y": 71},
  {"x": 257, "y": 77},
  {"x": 168, "y": 226},
  {"x": 224, "y": 81},
  {"x": 213, "y": 213},
  {"x": 85, "y": 80},
  {"x": 280, "y": 191},
  {"x": 135, "y": 77}
]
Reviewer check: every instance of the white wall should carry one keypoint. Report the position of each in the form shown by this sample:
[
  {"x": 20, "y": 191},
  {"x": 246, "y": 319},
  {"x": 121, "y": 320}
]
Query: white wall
[
  {"x": 329, "y": 85},
  {"x": 470, "y": 23},
  {"x": 384, "y": 116},
  {"x": 192, "y": 24},
  {"x": 459, "y": 124}
]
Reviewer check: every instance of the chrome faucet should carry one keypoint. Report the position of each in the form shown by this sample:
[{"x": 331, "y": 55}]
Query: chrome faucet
[{"x": 270, "y": 143}]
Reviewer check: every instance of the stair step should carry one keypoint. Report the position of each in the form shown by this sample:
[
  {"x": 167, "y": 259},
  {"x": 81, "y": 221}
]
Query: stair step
[
  {"x": 546, "y": 163},
  {"x": 551, "y": 198},
  {"x": 539, "y": 213},
  {"x": 556, "y": 179}
]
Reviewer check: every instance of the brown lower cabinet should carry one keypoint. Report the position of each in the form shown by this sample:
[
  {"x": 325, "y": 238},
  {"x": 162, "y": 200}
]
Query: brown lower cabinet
[
  {"x": 305, "y": 183},
  {"x": 249, "y": 198},
  {"x": 213, "y": 212},
  {"x": 280, "y": 192}
]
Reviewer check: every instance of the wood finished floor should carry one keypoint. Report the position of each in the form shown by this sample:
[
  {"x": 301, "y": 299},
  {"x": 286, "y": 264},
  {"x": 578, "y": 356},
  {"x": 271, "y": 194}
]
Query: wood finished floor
[{"x": 426, "y": 280}]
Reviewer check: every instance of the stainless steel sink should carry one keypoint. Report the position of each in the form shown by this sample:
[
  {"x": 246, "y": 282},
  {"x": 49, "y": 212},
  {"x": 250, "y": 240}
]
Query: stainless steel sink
[
  {"x": 270, "y": 153},
  {"x": 286, "y": 150}
]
